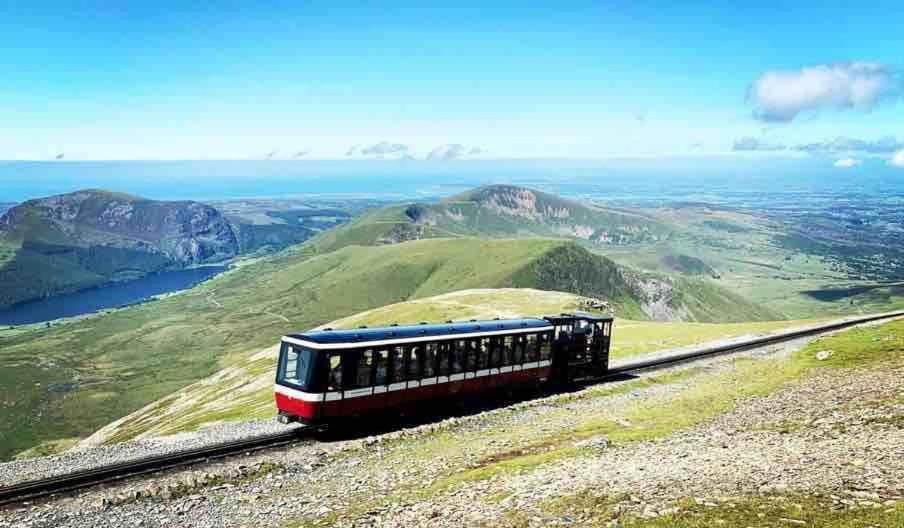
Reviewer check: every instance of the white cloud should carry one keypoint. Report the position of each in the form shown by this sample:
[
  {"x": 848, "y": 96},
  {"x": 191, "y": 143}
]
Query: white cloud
[
  {"x": 782, "y": 95},
  {"x": 453, "y": 151},
  {"x": 383, "y": 149},
  {"x": 898, "y": 159},
  {"x": 847, "y": 163}
]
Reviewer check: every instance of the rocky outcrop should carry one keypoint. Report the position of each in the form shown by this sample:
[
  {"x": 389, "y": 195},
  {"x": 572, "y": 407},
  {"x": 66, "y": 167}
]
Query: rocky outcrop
[
  {"x": 187, "y": 233},
  {"x": 89, "y": 238}
]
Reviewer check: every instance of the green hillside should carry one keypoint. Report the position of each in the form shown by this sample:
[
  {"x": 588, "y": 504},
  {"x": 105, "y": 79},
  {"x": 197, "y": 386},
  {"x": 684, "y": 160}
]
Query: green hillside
[
  {"x": 501, "y": 211},
  {"x": 67, "y": 380},
  {"x": 244, "y": 390}
]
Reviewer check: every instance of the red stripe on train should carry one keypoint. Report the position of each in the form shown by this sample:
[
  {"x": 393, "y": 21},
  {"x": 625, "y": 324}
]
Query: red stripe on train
[{"x": 362, "y": 405}]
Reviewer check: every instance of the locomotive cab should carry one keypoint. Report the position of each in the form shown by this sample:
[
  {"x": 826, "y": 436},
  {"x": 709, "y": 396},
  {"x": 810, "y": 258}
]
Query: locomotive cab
[{"x": 581, "y": 345}]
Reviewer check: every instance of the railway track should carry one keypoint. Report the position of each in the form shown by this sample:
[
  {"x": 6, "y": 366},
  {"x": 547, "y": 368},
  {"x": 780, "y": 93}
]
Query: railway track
[{"x": 34, "y": 489}]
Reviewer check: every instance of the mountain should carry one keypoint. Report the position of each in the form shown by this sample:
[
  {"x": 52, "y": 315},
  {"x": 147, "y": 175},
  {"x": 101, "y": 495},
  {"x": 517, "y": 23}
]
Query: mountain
[
  {"x": 93, "y": 237},
  {"x": 498, "y": 211},
  {"x": 88, "y": 238},
  {"x": 5, "y": 206},
  {"x": 97, "y": 375}
]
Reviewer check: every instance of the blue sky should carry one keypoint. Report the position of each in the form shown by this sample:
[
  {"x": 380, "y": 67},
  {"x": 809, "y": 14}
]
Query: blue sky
[{"x": 570, "y": 80}]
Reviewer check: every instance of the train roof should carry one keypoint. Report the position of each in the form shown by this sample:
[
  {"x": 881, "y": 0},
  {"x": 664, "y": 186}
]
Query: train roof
[
  {"x": 555, "y": 319},
  {"x": 363, "y": 335}
]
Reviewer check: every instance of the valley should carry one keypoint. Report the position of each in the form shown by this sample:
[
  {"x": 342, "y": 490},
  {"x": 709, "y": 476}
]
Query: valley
[{"x": 680, "y": 265}]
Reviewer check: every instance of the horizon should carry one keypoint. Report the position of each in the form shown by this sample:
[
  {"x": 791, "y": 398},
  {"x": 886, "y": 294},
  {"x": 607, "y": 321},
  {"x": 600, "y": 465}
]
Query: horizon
[{"x": 611, "y": 180}]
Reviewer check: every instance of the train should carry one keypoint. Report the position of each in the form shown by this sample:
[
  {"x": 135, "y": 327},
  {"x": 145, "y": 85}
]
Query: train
[{"x": 326, "y": 376}]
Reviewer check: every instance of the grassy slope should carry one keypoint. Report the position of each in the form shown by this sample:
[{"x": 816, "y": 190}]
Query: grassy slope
[
  {"x": 67, "y": 380},
  {"x": 696, "y": 396},
  {"x": 244, "y": 390}
]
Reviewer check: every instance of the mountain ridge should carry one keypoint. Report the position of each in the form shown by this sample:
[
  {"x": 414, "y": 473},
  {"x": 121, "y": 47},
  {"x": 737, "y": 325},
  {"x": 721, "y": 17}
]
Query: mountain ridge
[{"x": 498, "y": 211}]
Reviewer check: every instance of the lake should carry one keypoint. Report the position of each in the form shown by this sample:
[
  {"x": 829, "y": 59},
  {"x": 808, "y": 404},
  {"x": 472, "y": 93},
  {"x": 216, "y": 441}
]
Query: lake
[{"x": 113, "y": 296}]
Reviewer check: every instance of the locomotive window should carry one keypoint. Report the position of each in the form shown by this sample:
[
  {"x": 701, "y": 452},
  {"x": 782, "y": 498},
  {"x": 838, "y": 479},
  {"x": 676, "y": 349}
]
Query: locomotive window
[
  {"x": 430, "y": 357},
  {"x": 381, "y": 364},
  {"x": 365, "y": 369},
  {"x": 335, "y": 379},
  {"x": 545, "y": 347},
  {"x": 397, "y": 365},
  {"x": 413, "y": 361}
]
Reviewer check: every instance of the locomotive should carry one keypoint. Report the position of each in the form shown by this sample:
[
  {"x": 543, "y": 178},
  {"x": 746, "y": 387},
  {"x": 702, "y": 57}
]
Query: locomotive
[{"x": 328, "y": 375}]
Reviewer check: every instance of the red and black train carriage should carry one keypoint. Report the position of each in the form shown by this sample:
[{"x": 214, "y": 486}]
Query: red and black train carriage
[{"x": 327, "y": 375}]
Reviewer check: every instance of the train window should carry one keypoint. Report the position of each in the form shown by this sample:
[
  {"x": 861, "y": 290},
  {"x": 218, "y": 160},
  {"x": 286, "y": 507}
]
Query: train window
[
  {"x": 495, "y": 352},
  {"x": 459, "y": 352},
  {"x": 483, "y": 353},
  {"x": 545, "y": 346},
  {"x": 381, "y": 362},
  {"x": 365, "y": 369},
  {"x": 518, "y": 349},
  {"x": 289, "y": 365},
  {"x": 296, "y": 366},
  {"x": 413, "y": 356},
  {"x": 508, "y": 357},
  {"x": 335, "y": 379},
  {"x": 396, "y": 365},
  {"x": 530, "y": 348},
  {"x": 430, "y": 357},
  {"x": 444, "y": 359},
  {"x": 471, "y": 356}
]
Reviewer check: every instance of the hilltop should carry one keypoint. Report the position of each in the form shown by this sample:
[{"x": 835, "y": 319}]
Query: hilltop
[{"x": 499, "y": 211}]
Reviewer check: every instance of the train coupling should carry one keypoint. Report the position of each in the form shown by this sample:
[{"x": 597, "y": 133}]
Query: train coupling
[{"x": 285, "y": 419}]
